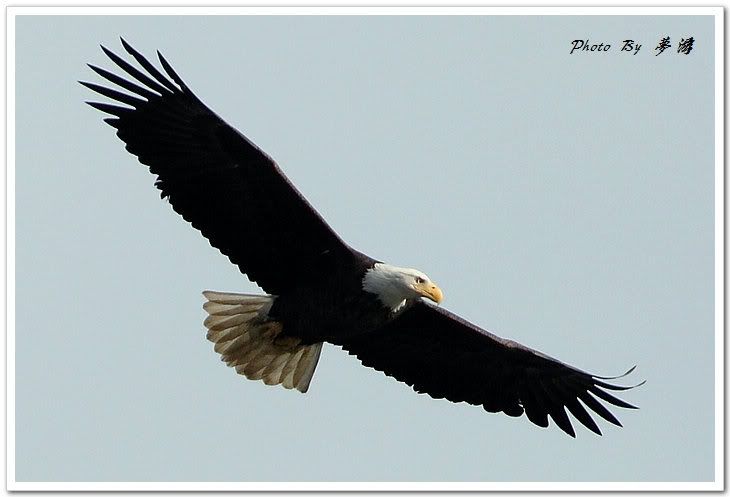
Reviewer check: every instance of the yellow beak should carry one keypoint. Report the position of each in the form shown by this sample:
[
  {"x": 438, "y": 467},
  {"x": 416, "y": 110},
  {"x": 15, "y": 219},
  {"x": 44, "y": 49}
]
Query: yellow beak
[{"x": 431, "y": 291}]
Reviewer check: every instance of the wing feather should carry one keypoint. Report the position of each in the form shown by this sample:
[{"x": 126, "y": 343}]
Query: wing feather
[
  {"x": 443, "y": 355},
  {"x": 136, "y": 73},
  {"x": 147, "y": 65},
  {"x": 217, "y": 179},
  {"x": 127, "y": 85},
  {"x": 597, "y": 407}
]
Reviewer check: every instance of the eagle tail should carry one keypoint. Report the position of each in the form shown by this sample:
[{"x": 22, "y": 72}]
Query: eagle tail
[{"x": 247, "y": 340}]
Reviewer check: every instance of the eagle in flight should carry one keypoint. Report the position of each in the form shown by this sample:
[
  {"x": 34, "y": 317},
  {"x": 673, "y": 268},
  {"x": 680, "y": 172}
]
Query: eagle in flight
[{"x": 317, "y": 288}]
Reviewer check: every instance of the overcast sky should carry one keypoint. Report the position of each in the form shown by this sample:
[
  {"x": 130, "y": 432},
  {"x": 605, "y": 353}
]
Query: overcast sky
[{"x": 564, "y": 201}]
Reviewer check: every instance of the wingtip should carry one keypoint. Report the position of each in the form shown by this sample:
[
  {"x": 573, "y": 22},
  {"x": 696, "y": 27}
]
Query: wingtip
[
  {"x": 617, "y": 387},
  {"x": 631, "y": 370},
  {"x": 126, "y": 45},
  {"x": 636, "y": 386},
  {"x": 630, "y": 406}
]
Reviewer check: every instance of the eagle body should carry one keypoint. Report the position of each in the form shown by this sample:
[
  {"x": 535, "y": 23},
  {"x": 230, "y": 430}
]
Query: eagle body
[
  {"x": 332, "y": 311},
  {"x": 317, "y": 289}
]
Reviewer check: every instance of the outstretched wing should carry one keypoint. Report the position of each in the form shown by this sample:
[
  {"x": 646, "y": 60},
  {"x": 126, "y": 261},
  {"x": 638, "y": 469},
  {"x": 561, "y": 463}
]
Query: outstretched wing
[
  {"x": 438, "y": 353},
  {"x": 217, "y": 179}
]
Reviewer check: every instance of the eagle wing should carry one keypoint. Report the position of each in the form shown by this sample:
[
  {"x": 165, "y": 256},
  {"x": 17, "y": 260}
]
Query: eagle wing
[
  {"x": 438, "y": 353},
  {"x": 217, "y": 179}
]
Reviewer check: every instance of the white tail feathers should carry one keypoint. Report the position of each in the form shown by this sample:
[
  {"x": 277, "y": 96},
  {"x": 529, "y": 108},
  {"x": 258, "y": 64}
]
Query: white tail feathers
[{"x": 246, "y": 340}]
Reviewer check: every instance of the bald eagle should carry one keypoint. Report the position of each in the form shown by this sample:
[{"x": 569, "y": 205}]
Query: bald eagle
[{"x": 318, "y": 288}]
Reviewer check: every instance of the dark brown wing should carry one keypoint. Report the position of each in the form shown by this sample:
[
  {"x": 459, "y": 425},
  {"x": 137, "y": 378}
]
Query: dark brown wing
[
  {"x": 217, "y": 179},
  {"x": 438, "y": 353}
]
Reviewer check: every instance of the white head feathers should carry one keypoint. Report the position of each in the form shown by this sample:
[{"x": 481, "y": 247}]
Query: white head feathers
[{"x": 396, "y": 286}]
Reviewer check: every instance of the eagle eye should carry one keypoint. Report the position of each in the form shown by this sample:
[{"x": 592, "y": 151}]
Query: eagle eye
[{"x": 420, "y": 280}]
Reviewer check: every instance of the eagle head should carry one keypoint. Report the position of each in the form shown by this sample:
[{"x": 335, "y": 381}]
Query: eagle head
[{"x": 397, "y": 286}]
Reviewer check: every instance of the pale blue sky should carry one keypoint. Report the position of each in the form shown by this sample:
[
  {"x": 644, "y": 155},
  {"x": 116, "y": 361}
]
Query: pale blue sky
[{"x": 562, "y": 201}]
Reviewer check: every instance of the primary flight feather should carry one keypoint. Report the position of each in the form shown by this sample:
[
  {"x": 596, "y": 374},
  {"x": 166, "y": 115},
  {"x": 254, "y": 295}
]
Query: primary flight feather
[{"x": 319, "y": 289}]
